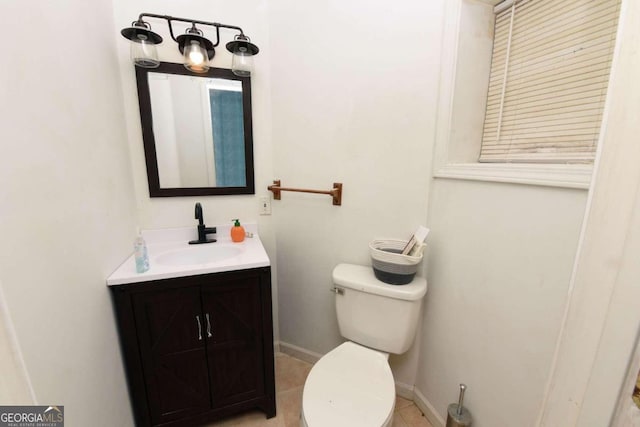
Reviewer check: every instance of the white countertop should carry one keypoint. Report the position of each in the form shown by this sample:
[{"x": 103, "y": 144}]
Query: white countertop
[{"x": 250, "y": 254}]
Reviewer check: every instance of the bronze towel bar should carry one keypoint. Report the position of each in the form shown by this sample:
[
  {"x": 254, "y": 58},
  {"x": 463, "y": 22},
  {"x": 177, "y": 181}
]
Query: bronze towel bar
[{"x": 336, "y": 192}]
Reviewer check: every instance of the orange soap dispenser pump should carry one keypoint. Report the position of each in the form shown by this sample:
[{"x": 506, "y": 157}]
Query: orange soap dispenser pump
[{"x": 237, "y": 231}]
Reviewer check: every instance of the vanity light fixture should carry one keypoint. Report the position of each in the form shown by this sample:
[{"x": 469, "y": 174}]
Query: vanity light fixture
[{"x": 195, "y": 48}]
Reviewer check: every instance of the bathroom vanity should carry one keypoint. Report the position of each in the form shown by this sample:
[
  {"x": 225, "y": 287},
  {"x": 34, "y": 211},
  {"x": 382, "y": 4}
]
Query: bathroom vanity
[{"x": 196, "y": 330}]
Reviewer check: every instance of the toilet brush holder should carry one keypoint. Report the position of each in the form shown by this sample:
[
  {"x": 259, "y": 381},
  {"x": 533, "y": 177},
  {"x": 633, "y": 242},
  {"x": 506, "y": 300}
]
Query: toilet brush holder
[{"x": 458, "y": 415}]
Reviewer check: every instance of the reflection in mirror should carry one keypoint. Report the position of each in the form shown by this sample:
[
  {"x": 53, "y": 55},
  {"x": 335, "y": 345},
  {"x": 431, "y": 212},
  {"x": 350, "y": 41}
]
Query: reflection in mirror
[
  {"x": 196, "y": 131},
  {"x": 210, "y": 152}
]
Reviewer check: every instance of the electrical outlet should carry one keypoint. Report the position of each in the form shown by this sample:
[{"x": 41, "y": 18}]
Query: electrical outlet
[{"x": 265, "y": 205}]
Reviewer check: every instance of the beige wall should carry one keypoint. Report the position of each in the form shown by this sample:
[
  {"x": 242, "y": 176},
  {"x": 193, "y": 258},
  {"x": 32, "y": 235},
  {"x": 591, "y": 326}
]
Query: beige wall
[{"x": 66, "y": 201}]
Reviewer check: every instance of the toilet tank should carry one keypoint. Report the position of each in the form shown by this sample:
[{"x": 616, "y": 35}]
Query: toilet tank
[{"x": 376, "y": 314}]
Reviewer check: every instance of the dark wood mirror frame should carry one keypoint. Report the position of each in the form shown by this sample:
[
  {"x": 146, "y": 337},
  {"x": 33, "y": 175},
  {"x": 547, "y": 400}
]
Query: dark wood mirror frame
[{"x": 148, "y": 138}]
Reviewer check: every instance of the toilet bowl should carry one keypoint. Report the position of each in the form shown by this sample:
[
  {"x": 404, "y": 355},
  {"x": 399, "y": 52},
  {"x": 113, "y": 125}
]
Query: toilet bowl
[{"x": 350, "y": 386}]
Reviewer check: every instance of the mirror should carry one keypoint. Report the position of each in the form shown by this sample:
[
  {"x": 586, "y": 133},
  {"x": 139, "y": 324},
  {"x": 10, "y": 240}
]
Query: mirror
[{"x": 196, "y": 130}]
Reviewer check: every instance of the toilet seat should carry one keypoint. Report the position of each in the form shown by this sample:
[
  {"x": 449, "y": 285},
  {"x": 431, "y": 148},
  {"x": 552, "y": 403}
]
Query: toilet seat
[{"x": 350, "y": 386}]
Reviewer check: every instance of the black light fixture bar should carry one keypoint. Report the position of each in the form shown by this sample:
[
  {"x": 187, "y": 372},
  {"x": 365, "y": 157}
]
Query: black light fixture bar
[
  {"x": 197, "y": 50},
  {"x": 169, "y": 19}
]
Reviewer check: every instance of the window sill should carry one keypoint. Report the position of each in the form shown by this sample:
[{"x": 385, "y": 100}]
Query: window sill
[{"x": 566, "y": 176}]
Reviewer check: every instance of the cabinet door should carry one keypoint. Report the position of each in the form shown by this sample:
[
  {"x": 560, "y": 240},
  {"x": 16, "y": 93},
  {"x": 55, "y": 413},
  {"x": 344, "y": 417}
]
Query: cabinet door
[
  {"x": 235, "y": 348},
  {"x": 171, "y": 334}
]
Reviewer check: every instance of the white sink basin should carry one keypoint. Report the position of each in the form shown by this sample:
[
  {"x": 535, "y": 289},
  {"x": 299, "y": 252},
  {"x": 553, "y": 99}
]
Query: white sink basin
[{"x": 198, "y": 254}]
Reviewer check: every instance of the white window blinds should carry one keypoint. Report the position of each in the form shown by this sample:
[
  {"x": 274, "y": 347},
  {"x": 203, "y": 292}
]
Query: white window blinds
[{"x": 549, "y": 76}]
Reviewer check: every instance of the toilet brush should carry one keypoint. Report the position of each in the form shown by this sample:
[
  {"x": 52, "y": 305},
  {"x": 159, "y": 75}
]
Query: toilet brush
[{"x": 458, "y": 415}]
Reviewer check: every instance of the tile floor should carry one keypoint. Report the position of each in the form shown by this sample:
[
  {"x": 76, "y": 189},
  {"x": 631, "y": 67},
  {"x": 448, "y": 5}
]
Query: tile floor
[{"x": 290, "y": 376}]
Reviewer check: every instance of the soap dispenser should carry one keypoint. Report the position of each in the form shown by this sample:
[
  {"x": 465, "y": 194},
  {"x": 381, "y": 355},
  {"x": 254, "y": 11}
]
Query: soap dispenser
[
  {"x": 237, "y": 231},
  {"x": 140, "y": 253}
]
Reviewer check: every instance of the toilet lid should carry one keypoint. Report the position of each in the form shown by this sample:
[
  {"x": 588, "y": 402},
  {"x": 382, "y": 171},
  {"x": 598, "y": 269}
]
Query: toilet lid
[{"x": 350, "y": 386}]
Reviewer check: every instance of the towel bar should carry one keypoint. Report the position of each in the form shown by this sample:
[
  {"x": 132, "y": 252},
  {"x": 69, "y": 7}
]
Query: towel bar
[{"x": 336, "y": 192}]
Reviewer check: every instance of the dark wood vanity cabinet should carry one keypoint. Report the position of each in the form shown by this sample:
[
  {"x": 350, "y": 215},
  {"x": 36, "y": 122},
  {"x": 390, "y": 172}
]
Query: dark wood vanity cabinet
[{"x": 198, "y": 348}]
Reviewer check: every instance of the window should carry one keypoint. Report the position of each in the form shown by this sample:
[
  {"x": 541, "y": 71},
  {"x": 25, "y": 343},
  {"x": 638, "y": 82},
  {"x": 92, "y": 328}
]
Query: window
[{"x": 548, "y": 80}]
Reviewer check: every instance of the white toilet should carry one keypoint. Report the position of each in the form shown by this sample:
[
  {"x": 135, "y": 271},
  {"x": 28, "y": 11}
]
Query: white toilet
[{"x": 352, "y": 385}]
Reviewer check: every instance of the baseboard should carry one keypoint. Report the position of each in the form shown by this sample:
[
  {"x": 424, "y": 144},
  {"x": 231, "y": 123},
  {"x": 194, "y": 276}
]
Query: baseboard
[
  {"x": 276, "y": 346},
  {"x": 299, "y": 352},
  {"x": 427, "y": 409},
  {"x": 404, "y": 390}
]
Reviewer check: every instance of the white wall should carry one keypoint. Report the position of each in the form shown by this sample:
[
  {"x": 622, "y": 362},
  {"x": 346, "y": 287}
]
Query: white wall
[
  {"x": 500, "y": 261},
  {"x": 354, "y": 87},
  {"x": 67, "y": 205}
]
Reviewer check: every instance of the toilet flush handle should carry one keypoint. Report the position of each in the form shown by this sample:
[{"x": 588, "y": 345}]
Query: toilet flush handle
[{"x": 337, "y": 290}]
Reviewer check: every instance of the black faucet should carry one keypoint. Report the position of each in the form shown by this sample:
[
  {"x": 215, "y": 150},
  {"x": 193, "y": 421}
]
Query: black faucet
[{"x": 202, "y": 230}]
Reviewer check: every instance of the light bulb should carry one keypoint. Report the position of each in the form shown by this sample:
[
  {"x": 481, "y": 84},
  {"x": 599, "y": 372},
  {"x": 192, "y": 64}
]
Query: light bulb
[{"x": 195, "y": 57}]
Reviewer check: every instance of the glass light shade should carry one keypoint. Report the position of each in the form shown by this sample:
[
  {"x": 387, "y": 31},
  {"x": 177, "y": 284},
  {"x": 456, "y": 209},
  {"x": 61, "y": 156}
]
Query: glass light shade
[
  {"x": 196, "y": 58},
  {"x": 144, "y": 53},
  {"x": 243, "y": 51},
  {"x": 242, "y": 62}
]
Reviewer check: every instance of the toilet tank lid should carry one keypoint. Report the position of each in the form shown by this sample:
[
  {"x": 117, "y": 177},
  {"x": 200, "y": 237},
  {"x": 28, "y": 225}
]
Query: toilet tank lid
[{"x": 361, "y": 278}]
